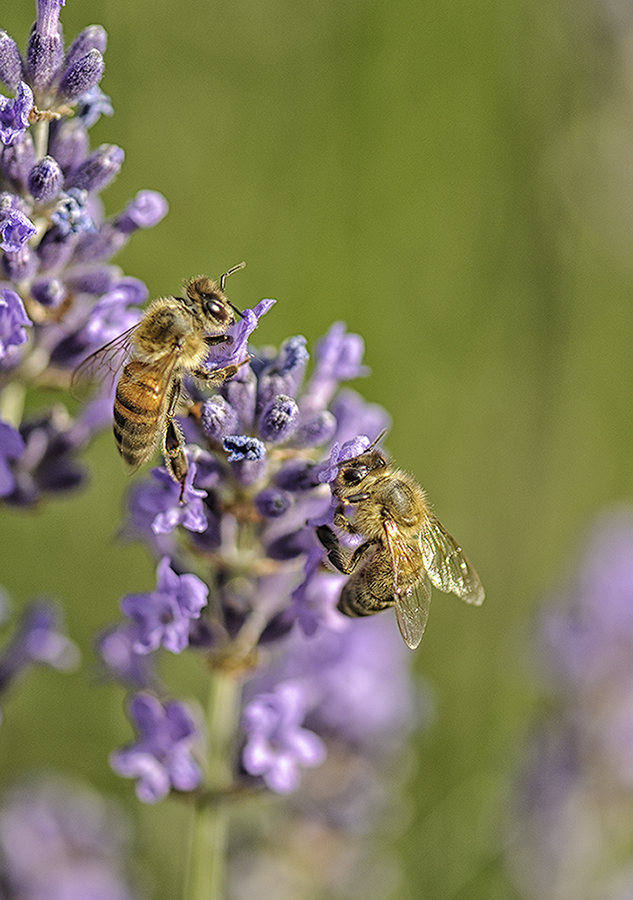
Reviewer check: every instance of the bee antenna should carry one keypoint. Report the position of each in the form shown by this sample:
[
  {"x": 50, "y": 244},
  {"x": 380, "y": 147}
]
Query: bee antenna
[
  {"x": 343, "y": 462},
  {"x": 377, "y": 440},
  {"x": 230, "y": 272},
  {"x": 236, "y": 310}
]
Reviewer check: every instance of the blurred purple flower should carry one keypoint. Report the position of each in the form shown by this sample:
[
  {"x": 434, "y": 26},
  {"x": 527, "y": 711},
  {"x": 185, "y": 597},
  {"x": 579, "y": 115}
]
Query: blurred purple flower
[
  {"x": 116, "y": 647},
  {"x": 338, "y": 358},
  {"x": 48, "y": 461},
  {"x": 163, "y": 616},
  {"x": 11, "y": 447},
  {"x": 578, "y": 774},
  {"x": 37, "y": 640},
  {"x": 13, "y": 320},
  {"x": 161, "y": 758},
  {"x": 60, "y": 841},
  {"x": 276, "y": 744}
]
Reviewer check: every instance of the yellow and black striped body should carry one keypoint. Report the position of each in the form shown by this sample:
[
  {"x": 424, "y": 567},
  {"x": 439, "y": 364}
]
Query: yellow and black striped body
[{"x": 141, "y": 405}]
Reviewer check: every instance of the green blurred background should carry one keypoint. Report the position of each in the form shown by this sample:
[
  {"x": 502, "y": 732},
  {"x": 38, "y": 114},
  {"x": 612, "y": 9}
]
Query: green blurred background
[{"x": 455, "y": 181}]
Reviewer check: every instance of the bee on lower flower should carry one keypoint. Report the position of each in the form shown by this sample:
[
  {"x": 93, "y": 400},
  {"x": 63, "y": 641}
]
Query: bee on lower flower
[{"x": 405, "y": 550}]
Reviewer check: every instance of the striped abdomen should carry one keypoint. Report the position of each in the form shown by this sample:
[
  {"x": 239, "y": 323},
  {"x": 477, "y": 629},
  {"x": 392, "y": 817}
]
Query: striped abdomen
[
  {"x": 369, "y": 589},
  {"x": 140, "y": 405}
]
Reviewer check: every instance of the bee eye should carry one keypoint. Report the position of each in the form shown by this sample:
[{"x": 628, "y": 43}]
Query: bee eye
[
  {"x": 212, "y": 306},
  {"x": 354, "y": 474}
]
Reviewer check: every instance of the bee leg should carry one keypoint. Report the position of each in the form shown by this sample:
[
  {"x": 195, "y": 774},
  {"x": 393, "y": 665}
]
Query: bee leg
[
  {"x": 341, "y": 521},
  {"x": 342, "y": 559},
  {"x": 217, "y": 376},
  {"x": 174, "y": 443},
  {"x": 174, "y": 454}
]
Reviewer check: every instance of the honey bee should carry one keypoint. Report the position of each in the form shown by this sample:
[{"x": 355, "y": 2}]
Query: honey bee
[
  {"x": 405, "y": 548},
  {"x": 171, "y": 340}
]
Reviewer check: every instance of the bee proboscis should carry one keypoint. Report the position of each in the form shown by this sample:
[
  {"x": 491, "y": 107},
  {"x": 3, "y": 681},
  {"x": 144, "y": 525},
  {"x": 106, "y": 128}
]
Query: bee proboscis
[
  {"x": 405, "y": 548},
  {"x": 171, "y": 341}
]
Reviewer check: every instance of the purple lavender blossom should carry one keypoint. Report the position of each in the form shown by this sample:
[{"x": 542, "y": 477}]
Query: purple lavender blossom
[
  {"x": 173, "y": 505},
  {"x": 162, "y": 756},
  {"x": 60, "y": 840},
  {"x": 37, "y": 640},
  {"x": 59, "y": 273},
  {"x": 276, "y": 743},
  {"x": 578, "y": 774},
  {"x": 11, "y": 447},
  {"x": 117, "y": 649},
  {"x": 163, "y": 616},
  {"x": 48, "y": 460},
  {"x": 14, "y": 113},
  {"x": 15, "y": 227},
  {"x": 13, "y": 321}
]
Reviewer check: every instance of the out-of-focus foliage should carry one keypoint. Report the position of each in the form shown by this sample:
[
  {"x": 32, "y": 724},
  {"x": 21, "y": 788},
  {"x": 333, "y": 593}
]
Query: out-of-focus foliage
[{"x": 454, "y": 181}]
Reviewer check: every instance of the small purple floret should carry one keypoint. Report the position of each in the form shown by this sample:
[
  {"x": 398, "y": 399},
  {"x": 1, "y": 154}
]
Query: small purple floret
[
  {"x": 175, "y": 510},
  {"x": 14, "y": 113},
  {"x": 162, "y": 617},
  {"x": 13, "y": 321},
  {"x": 350, "y": 449},
  {"x": 276, "y": 743},
  {"x": 15, "y": 228},
  {"x": 161, "y": 758}
]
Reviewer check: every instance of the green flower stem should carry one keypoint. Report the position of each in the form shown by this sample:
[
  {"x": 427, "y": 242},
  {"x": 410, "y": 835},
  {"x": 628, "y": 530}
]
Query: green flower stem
[{"x": 207, "y": 863}]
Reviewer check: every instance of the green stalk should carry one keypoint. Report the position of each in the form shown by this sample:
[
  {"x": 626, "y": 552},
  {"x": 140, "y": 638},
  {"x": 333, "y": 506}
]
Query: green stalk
[{"x": 207, "y": 861}]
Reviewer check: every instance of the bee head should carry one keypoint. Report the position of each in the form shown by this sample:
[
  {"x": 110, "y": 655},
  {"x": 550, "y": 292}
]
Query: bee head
[
  {"x": 211, "y": 303},
  {"x": 209, "y": 300},
  {"x": 352, "y": 472}
]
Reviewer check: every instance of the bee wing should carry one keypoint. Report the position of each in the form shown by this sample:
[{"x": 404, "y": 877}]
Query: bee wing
[
  {"x": 411, "y": 601},
  {"x": 412, "y": 611},
  {"x": 102, "y": 365},
  {"x": 448, "y": 567}
]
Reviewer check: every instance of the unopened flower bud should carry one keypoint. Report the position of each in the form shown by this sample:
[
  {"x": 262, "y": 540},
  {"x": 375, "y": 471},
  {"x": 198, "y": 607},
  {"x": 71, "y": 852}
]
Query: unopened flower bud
[
  {"x": 45, "y": 179},
  {"x": 11, "y": 65},
  {"x": 99, "y": 169},
  {"x": 83, "y": 75},
  {"x": 94, "y": 37}
]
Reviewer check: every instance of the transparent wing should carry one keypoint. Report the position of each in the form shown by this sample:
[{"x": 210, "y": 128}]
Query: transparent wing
[
  {"x": 412, "y": 611},
  {"x": 412, "y": 589},
  {"x": 102, "y": 366},
  {"x": 448, "y": 567}
]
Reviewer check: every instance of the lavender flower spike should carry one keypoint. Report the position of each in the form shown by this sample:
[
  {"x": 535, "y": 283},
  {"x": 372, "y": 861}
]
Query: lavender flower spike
[{"x": 161, "y": 758}]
